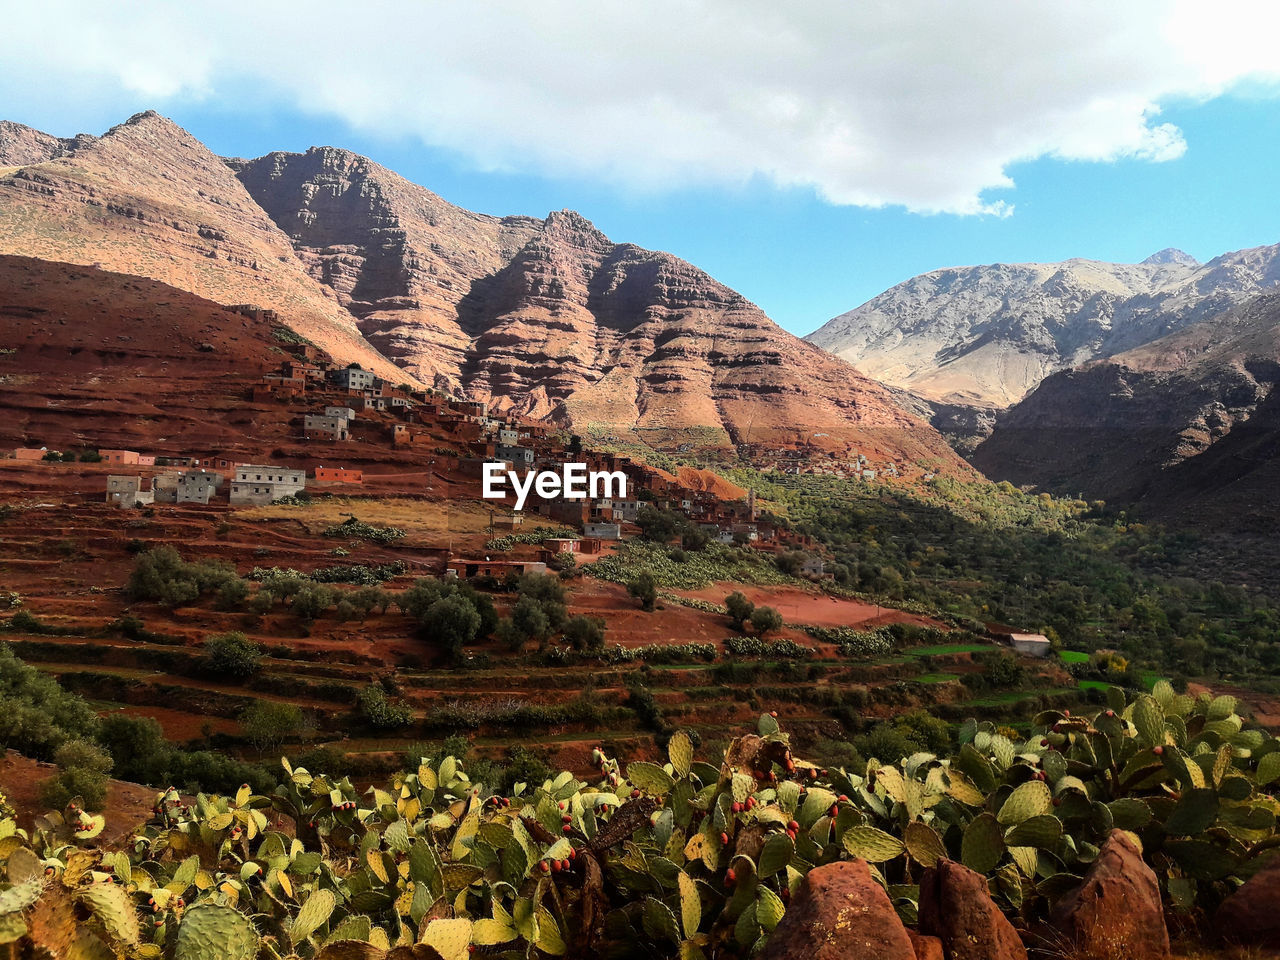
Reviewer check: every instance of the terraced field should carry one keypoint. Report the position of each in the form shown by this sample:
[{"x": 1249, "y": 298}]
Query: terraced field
[{"x": 69, "y": 559}]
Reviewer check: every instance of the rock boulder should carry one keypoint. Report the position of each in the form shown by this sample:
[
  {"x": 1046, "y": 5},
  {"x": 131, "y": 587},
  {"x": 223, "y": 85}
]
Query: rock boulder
[
  {"x": 840, "y": 913},
  {"x": 1117, "y": 912},
  {"x": 956, "y": 907}
]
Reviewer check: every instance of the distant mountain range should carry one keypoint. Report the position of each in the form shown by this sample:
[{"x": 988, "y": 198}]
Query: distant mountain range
[
  {"x": 1149, "y": 385},
  {"x": 543, "y": 317},
  {"x": 984, "y": 336},
  {"x": 1186, "y": 427}
]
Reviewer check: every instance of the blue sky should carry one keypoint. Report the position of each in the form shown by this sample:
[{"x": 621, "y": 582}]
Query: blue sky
[{"x": 809, "y": 185}]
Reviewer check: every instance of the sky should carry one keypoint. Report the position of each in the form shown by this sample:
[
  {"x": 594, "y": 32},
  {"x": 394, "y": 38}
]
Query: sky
[{"x": 809, "y": 155}]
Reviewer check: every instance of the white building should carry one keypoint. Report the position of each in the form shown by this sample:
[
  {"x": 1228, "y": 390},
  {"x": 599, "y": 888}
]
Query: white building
[{"x": 258, "y": 484}]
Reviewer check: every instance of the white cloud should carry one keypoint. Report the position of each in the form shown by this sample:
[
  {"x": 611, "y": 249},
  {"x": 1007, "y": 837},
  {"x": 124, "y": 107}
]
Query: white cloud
[{"x": 913, "y": 102}]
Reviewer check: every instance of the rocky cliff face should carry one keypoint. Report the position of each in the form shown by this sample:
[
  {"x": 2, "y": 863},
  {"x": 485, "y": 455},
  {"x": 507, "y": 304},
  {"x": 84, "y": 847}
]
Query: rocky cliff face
[
  {"x": 20, "y": 145},
  {"x": 984, "y": 336},
  {"x": 398, "y": 257},
  {"x": 550, "y": 318},
  {"x": 1187, "y": 423},
  {"x": 149, "y": 199}
]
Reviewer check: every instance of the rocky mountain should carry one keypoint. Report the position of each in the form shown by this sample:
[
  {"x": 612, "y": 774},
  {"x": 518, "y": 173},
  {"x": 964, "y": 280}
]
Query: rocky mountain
[
  {"x": 1187, "y": 424},
  {"x": 551, "y": 318},
  {"x": 21, "y": 145},
  {"x": 984, "y": 336},
  {"x": 545, "y": 317},
  {"x": 148, "y": 199}
]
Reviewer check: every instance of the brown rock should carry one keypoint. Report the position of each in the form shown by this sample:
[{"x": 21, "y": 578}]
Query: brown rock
[
  {"x": 927, "y": 948},
  {"x": 551, "y": 318},
  {"x": 149, "y": 199},
  {"x": 840, "y": 913},
  {"x": 1117, "y": 912},
  {"x": 956, "y": 907},
  {"x": 1251, "y": 915}
]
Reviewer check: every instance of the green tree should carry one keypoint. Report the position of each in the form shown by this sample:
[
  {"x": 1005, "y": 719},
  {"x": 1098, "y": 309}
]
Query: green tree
[
  {"x": 791, "y": 562},
  {"x": 268, "y": 723},
  {"x": 451, "y": 623},
  {"x": 232, "y": 594},
  {"x": 311, "y": 602},
  {"x": 645, "y": 589},
  {"x": 528, "y": 617},
  {"x": 765, "y": 620},
  {"x": 418, "y": 599},
  {"x": 739, "y": 607},
  {"x": 585, "y": 633},
  {"x": 659, "y": 526},
  {"x": 231, "y": 656},
  {"x": 366, "y": 599},
  {"x": 138, "y": 748}
]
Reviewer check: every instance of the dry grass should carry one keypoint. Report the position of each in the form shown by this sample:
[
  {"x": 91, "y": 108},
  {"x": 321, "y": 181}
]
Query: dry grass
[{"x": 422, "y": 520}]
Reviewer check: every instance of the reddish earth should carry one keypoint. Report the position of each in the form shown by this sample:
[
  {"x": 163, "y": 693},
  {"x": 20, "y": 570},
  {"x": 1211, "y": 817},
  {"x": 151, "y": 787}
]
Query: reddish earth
[
  {"x": 698, "y": 479},
  {"x": 149, "y": 199},
  {"x": 812, "y": 608},
  {"x": 1265, "y": 708},
  {"x": 128, "y": 804}
]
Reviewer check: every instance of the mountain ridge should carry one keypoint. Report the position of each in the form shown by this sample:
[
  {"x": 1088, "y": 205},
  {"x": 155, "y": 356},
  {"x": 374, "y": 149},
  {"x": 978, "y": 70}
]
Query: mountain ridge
[
  {"x": 147, "y": 198},
  {"x": 984, "y": 336},
  {"x": 1185, "y": 424},
  {"x": 551, "y": 318},
  {"x": 547, "y": 318}
]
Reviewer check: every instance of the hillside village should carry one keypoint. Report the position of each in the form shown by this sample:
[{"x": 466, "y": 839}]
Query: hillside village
[{"x": 328, "y": 405}]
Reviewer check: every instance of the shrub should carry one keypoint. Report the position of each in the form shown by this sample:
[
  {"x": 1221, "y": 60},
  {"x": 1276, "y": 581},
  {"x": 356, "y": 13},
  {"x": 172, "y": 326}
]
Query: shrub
[
  {"x": 36, "y": 715},
  {"x": 162, "y": 575},
  {"x": 353, "y": 529},
  {"x": 268, "y": 723},
  {"x": 765, "y": 620},
  {"x": 377, "y": 710},
  {"x": 82, "y": 772},
  {"x": 231, "y": 656}
]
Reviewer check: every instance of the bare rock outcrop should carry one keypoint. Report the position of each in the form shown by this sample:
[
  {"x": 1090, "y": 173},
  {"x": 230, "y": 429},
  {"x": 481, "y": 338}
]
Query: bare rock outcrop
[
  {"x": 1117, "y": 913},
  {"x": 840, "y": 913},
  {"x": 149, "y": 199},
  {"x": 926, "y": 947},
  {"x": 956, "y": 907},
  {"x": 550, "y": 318},
  {"x": 1251, "y": 915}
]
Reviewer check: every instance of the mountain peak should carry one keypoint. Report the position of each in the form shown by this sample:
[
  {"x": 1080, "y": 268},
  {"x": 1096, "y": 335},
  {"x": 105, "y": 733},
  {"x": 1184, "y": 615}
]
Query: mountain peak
[
  {"x": 573, "y": 227},
  {"x": 1171, "y": 255}
]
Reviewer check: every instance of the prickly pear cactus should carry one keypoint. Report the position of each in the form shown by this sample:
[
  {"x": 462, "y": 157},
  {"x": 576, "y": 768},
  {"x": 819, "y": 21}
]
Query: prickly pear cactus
[
  {"x": 114, "y": 914},
  {"x": 211, "y": 931}
]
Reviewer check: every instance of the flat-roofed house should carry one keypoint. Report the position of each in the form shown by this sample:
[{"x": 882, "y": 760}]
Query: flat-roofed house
[
  {"x": 338, "y": 475},
  {"x": 126, "y": 457},
  {"x": 318, "y": 426},
  {"x": 126, "y": 491},
  {"x": 186, "y": 486},
  {"x": 260, "y": 484}
]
